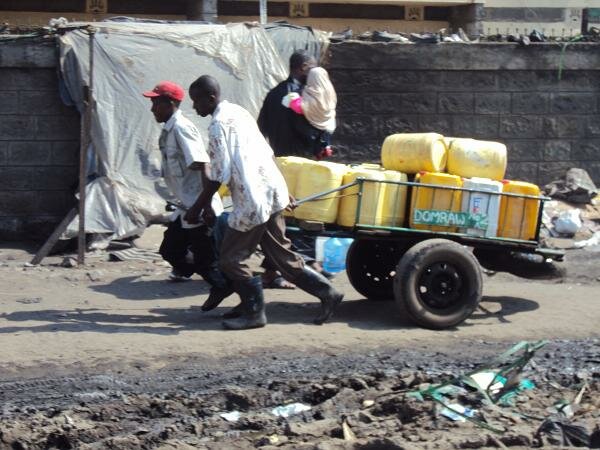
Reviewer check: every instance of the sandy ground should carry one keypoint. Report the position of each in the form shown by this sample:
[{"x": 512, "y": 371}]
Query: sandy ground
[{"x": 126, "y": 315}]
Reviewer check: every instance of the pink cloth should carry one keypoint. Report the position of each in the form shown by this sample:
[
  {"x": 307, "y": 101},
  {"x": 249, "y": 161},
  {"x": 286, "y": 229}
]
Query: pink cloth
[{"x": 296, "y": 105}]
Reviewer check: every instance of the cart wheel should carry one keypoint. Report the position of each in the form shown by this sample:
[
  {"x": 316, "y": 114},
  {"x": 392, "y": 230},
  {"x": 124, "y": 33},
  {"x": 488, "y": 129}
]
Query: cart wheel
[
  {"x": 438, "y": 283},
  {"x": 371, "y": 266}
]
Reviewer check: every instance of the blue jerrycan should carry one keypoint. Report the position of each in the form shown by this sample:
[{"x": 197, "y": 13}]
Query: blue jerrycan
[{"x": 334, "y": 258}]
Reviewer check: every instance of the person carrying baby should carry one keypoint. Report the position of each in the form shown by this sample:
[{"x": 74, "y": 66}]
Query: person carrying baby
[{"x": 315, "y": 111}]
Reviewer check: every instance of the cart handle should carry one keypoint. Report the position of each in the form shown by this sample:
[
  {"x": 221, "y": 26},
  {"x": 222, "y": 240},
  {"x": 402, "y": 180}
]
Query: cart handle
[{"x": 323, "y": 194}]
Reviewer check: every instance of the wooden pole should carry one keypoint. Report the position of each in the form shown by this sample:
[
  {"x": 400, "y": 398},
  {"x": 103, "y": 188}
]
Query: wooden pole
[
  {"x": 53, "y": 239},
  {"x": 263, "y": 11},
  {"x": 85, "y": 137}
]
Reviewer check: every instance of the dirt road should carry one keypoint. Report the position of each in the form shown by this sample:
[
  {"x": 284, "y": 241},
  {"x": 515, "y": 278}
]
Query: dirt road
[
  {"x": 113, "y": 330},
  {"x": 125, "y": 313}
]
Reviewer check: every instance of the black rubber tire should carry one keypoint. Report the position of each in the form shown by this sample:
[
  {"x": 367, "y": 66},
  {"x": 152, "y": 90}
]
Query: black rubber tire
[
  {"x": 371, "y": 266},
  {"x": 438, "y": 284}
]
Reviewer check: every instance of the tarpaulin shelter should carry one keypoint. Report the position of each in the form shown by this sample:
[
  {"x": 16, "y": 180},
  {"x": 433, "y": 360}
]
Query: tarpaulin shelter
[{"x": 124, "y": 190}]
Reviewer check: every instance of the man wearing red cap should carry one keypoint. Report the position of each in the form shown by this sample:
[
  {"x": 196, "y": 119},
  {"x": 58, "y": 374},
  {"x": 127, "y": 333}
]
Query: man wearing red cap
[{"x": 183, "y": 158}]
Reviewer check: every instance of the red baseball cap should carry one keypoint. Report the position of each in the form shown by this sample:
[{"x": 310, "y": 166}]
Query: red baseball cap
[{"x": 166, "y": 89}]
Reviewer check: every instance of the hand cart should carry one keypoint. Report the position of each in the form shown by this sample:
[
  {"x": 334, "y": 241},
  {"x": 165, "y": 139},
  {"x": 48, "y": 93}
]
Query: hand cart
[{"x": 435, "y": 277}]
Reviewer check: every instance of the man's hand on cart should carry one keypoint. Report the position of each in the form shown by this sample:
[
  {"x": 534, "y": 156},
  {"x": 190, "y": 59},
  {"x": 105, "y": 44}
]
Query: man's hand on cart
[
  {"x": 209, "y": 216},
  {"x": 192, "y": 215},
  {"x": 292, "y": 205}
]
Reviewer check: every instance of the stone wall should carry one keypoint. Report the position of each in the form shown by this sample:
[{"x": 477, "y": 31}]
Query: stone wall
[
  {"x": 497, "y": 92},
  {"x": 39, "y": 142},
  {"x": 488, "y": 91}
]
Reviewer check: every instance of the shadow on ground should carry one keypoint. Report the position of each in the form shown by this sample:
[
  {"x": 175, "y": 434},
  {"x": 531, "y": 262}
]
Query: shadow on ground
[
  {"x": 138, "y": 288},
  {"x": 362, "y": 314}
]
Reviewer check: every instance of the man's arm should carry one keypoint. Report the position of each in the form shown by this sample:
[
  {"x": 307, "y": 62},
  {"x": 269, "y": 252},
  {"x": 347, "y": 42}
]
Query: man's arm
[
  {"x": 202, "y": 205},
  {"x": 213, "y": 175}
]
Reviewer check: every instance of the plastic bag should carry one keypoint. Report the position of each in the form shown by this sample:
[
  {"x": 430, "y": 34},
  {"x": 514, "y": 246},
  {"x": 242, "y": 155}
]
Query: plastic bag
[{"x": 568, "y": 222}]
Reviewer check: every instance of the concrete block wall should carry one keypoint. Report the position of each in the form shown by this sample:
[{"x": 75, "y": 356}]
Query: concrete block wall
[
  {"x": 39, "y": 143},
  {"x": 499, "y": 92}
]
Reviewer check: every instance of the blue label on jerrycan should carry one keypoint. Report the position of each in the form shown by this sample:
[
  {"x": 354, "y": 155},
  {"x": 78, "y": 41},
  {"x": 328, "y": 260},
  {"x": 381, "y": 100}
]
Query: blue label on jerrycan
[{"x": 335, "y": 250}]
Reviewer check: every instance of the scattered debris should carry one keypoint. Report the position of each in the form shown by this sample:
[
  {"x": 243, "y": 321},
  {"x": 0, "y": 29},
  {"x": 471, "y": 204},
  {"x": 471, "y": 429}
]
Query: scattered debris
[
  {"x": 29, "y": 301},
  {"x": 367, "y": 403},
  {"x": 594, "y": 240},
  {"x": 68, "y": 262},
  {"x": 290, "y": 410},
  {"x": 557, "y": 432},
  {"x": 576, "y": 187},
  {"x": 568, "y": 222},
  {"x": 132, "y": 413},
  {"x": 457, "y": 412},
  {"x": 232, "y": 416},
  {"x": 347, "y": 432}
]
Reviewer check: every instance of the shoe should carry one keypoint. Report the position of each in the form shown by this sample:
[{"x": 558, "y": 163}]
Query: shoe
[
  {"x": 220, "y": 289},
  {"x": 252, "y": 307},
  {"x": 176, "y": 277},
  {"x": 316, "y": 284},
  {"x": 234, "y": 312}
]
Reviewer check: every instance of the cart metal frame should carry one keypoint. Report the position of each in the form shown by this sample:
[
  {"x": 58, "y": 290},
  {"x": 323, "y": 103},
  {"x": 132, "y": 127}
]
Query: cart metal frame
[
  {"x": 431, "y": 274},
  {"x": 370, "y": 231}
]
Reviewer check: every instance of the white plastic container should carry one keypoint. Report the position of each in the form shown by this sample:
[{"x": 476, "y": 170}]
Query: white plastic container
[
  {"x": 320, "y": 248},
  {"x": 482, "y": 205}
]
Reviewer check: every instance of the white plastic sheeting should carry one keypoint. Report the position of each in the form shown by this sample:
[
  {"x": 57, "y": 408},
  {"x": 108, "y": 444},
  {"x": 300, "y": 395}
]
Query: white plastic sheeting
[{"x": 127, "y": 191}]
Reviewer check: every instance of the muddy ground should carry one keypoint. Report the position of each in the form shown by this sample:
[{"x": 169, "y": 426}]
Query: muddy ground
[
  {"x": 113, "y": 356},
  {"x": 181, "y": 406}
]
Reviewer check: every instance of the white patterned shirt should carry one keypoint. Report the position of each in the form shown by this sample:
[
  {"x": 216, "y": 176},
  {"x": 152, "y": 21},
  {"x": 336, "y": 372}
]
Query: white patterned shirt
[
  {"x": 241, "y": 158},
  {"x": 181, "y": 146}
]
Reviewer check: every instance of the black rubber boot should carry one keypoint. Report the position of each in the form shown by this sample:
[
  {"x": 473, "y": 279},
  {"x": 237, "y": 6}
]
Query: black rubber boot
[
  {"x": 220, "y": 289},
  {"x": 253, "y": 306},
  {"x": 234, "y": 312},
  {"x": 316, "y": 284}
]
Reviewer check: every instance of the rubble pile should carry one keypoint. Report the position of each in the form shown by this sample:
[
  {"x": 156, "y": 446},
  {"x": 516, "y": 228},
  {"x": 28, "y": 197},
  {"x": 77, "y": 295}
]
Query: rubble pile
[{"x": 384, "y": 408}]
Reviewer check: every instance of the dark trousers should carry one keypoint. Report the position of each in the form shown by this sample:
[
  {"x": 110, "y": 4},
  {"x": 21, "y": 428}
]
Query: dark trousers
[
  {"x": 303, "y": 244},
  {"x": 314, "y": 139},
  {"x": 174, "y": 247},
  {"x": 238, "y": 246}
]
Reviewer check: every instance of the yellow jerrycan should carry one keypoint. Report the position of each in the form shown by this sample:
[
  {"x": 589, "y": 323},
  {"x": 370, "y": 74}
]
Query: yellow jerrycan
[
  {"x": 290, "y": 167},
  {"x": 518, "y": 216},
  {"x": 414, "y": 152},
  {"x": 316, "y": 177},
  {"x": 470, "y": 158},
  {"x": 370, "y": 202},
  {"x": 393, "y": 204},
  {"x": 427, "y": 201}
]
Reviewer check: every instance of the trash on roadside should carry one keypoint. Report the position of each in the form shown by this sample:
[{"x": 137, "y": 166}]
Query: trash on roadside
[
  {"x": 457, "y": 412},
  {"x": 558, "y": 432},
  {"x": 508, "y": 398},
  {"x": 568, "y": 222},
  {"x": 68, "y": 262},
  {"x": 367, "y": 403},
  {"x": 489, "y": 380},
  {"x": 347, "y": 432},
  {"x": 425, "y": 38},
  {"x": 232, "y": 416},
  {"x": 498, "y": 383},
  {"x": 594, "y": 240},
  {"x": 576, "y": 187},
  {"x": 290, "y": 410},
  {"x": 564, "y": 408}
]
